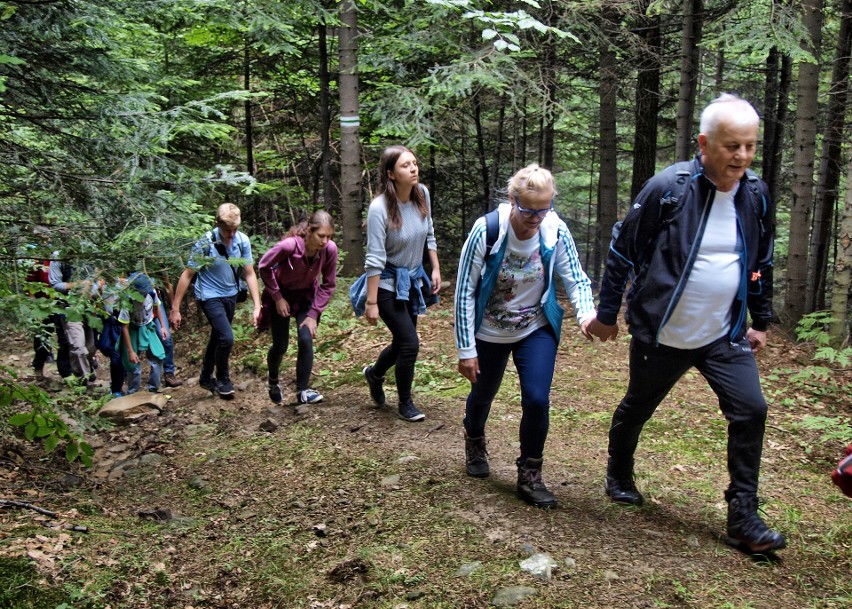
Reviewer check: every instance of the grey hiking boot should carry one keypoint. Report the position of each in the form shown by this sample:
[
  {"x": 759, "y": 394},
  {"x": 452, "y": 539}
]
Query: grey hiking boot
[
  {"x": 531, "y": 487},
  {"x": 476, "y": 456},
  {"x": 746, "y": 529}
]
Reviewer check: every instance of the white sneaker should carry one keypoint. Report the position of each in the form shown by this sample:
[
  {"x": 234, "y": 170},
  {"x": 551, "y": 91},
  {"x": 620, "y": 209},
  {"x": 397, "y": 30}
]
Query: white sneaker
[{"x": 309, "y": 396}]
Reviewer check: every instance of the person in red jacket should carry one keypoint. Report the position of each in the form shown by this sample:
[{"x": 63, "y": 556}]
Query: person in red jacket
[{"x": 291, "y": 273}]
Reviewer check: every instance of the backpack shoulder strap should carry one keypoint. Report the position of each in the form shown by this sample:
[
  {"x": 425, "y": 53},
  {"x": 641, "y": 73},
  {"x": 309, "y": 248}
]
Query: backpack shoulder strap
[
  {"x": 758, "y": 197},
  {"x": 492, "y": 229}
]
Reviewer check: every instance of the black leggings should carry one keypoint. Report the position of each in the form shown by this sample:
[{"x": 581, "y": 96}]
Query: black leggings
[
  {"x": 280, "y": 340},
  {"x": 403, "y": 350}
]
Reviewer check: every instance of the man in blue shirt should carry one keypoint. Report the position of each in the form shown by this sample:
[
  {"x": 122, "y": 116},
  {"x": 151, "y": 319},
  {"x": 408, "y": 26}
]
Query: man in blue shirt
[{"x": 213, "y": 259}]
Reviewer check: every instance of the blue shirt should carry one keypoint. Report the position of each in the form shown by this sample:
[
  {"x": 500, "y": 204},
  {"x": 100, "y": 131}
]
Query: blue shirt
[{"x": 215, "y": 277}]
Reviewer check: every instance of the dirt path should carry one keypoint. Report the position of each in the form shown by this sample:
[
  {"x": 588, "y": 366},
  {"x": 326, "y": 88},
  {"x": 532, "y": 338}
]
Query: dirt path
[{"x": 348, "y": 506}]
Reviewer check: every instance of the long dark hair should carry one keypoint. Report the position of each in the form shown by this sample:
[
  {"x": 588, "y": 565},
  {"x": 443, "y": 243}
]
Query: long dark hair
[
  {"x": 317, "y": 219},
  {"x": 387, "y": 163}
]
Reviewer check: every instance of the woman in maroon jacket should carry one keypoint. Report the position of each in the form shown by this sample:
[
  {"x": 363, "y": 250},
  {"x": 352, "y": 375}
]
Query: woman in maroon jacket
[{"x": 291, "y": 273}]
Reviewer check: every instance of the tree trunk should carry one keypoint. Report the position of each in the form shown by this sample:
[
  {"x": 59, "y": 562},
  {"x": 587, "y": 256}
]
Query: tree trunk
[
  {"x": 350, "y": 150},
  {"x": 803, "y": 169},
  {"x": 247, "y": 87},
  {"x": 776, "y": 96},
  {"x": 498, "y": 145},
  {"x": 550, "y": 113},
  {"x": 325, "y": 117},
  {"x": 839, "y": 329},
  {"x": 647, "y": 101},
  {"x": 830, "y": 166},
  {"x": 692, "y": 25},
  {"x": 480, "y": 149},
  {"x": 608, "y": 174}
]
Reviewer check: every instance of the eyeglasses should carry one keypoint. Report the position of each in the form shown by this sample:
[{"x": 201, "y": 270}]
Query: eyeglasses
[{"x": 533, "y": 213}]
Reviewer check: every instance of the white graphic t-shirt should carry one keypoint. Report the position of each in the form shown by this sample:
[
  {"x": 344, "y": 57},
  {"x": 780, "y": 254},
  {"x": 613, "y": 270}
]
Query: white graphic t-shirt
[{"x": 514, "y": 310}]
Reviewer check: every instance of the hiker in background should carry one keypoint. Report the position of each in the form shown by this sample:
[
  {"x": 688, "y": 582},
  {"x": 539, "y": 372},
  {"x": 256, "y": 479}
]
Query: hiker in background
[
  {"x": 216, "y": 289},
  {"x": 39, "y": 275},
  {"x": 291, "y": 272},
  {"x": 701, "y": 261},
  {"x": 395, "y": 287},
  {"x": 139, "y": 334},
  {"x": 76, "y": 339},
  {"x": 506, "y": 305},
  {"x": 169, "y": 378}
]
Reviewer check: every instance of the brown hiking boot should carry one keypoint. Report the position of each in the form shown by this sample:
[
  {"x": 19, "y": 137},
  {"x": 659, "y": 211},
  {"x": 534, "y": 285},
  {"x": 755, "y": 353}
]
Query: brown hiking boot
[
  {"x": 476, "y": 456},
  {"x": 531, "y": 487},
  {"x": 170, "y": 380}
]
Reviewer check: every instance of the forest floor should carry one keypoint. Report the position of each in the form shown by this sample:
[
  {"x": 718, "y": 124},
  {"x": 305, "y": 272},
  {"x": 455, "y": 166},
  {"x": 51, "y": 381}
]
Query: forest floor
[{"x": 340, "y": 505}]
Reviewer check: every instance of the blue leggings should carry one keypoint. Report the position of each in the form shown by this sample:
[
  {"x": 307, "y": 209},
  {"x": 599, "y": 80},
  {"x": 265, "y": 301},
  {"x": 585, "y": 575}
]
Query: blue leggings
[{"x": 535, "y": 359}]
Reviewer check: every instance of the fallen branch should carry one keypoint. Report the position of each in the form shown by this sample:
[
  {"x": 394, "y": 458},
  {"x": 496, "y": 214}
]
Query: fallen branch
[
  {"x": 26, "y": 506},
  {"x": 436, "y": 428}
]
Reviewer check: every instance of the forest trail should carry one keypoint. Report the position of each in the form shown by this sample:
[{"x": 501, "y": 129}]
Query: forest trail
[{"x": 344, "y": 505}]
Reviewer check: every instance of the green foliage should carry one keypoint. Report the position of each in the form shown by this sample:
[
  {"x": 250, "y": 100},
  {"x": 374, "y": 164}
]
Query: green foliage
[
  {"x": 834, "y": 430},
  {"x": 42, "y": 423},
  {"x": 814, "y": 328},
  {"x": 25, "y": 588}
]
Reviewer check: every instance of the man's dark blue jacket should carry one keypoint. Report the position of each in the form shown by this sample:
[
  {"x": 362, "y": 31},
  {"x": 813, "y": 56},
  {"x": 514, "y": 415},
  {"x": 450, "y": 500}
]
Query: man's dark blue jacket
[{"x": 657, "y": 244}]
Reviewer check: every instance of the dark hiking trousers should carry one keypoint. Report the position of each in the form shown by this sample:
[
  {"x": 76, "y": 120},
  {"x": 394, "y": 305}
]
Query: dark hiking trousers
[
  {"x": 217, "y": 355},
  {"x": 730, "y": 370}
]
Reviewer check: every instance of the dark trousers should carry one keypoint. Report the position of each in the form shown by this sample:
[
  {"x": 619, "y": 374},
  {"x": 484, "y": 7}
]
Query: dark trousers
[
  {"x": 63, "y": 348},
  {"x": 535, "y": 359},
  {"x": 403, "y": 350},
  {"x": 219, "y": 313},
  {"x": 730, "y": 370},
  {"x": 281, "y": 339},
  {"x": 41, "y": 343}
]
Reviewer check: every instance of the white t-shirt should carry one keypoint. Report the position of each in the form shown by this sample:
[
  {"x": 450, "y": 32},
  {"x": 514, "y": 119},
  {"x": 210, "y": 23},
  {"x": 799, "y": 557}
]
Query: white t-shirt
[
  {"x": 514, "y": 309},
  {"x": 703, "y": 313}
]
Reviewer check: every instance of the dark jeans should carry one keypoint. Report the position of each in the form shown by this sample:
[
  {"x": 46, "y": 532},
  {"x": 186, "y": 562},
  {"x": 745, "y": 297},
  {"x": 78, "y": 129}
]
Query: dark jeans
[
  {"x": 168, "y": 346},
  {"x": 730, "y": 370},
  {"x": 280, "y": 340},
  {"x": 535, "y": 359},
  {"x": 220, "y": 313},
  {"x": 403, "y": 350}
]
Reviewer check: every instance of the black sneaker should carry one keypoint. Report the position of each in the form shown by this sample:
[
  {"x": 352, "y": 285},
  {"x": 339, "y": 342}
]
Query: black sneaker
[
  {"x": 208, "y": 383},
  {"x": 409, "y": 412},
  {"x": 225, "y": 389},
  {"x": 275, "y": 392},
  {"x": 375, "y": 385}
]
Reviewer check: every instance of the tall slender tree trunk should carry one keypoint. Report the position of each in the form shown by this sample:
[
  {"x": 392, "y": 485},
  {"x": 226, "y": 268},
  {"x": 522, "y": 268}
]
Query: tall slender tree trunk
[
  {"x": 647, "y": 101},
  {"x": 480, "y": 150},
  {"x": 608, "y": 175},
  {"x": 550, "y": 113},
  {"x": 325, "y": 117},
  {"x": 350, "y": 149},
  {"x": 839, "y": 329},
  {"x": 498, "y": 145},
  {"x": 776, "y": 97},
  {"x": 830, "y": 165},
  {"x": 803, "y": 168},
  {"x": 247, "y": 105},
  {"x": 691, "y": 36}
]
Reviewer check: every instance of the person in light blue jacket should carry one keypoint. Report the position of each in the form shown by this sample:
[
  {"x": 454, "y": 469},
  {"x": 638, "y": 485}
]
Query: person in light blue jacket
[{"x": 506, "y": 305}]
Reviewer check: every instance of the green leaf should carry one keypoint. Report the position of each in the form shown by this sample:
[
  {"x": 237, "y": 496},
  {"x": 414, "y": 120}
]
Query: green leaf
[
  {"x": 72, "y": 451},
  {"x": 20, "y": 419},
  {"x": 29, "y": 431},
  {"x": 10, "y": 60},
  {"x": 50, "y": 443},
  {"x": 43, "y": 431},
  {"x": 488, "y": 34}
]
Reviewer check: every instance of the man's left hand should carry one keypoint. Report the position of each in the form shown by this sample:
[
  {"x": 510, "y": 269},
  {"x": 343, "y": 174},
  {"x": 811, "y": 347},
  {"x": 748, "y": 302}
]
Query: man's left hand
[{"x": 756, "y": 339}]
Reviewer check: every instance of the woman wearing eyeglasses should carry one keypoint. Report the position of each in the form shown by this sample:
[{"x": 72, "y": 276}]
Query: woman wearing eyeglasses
[{"x": 506, "y": 305}]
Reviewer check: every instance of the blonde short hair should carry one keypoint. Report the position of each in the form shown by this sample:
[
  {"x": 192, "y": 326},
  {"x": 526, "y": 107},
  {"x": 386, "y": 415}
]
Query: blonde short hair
[
  {"x": 531, "y": 178},
  {"x": 229, "y": 215}
]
